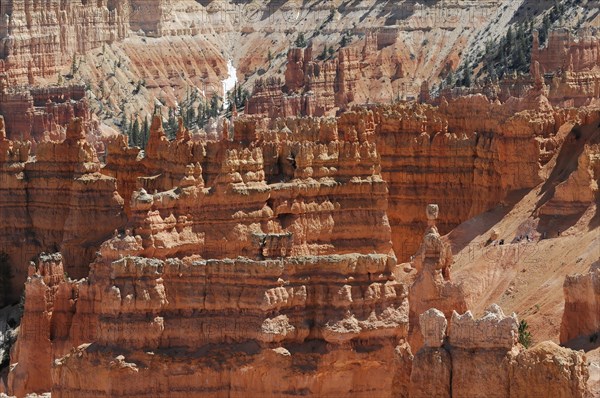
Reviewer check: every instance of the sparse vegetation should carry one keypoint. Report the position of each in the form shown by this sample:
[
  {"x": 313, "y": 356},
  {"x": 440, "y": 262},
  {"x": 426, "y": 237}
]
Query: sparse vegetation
[
  {"x": 138, "y": 135},
  {"x": 525, "y": 338},
  {"x": 512, "y": 53},
  {"x": 74, "y": 65},
  {"x": 346, "y": 39},
  {"x": 300, "y": 41},
  {"x": 237, "y": 96}
]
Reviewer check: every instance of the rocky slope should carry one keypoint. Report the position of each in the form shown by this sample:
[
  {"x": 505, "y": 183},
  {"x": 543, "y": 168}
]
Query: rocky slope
[{"x": 131, "y": 54}]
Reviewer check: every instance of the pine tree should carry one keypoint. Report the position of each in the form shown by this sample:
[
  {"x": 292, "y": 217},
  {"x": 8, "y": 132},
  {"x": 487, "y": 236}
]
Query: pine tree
[
  {"x": 200, "y": 115},
  {"x": 323, "y": 54},
  {"x": 129, "y": 132},
  {"x": 450, "y": 79},
  {"x": 136, "y": 133},
  {"x": 145, "y": 132},
  {"x": 510, "y": 38},
  {"x": 524, "y": 335},
  {"x": 190, "y": 116},
  {"x": 345, "y": 40},
  {"x": 124, "y": 123},
  {"x": 214, "y": 106},
  {"x": 300, "y": 40},
  {"x": 467, "y": 76},
  {"x": 74, "y": 65}
]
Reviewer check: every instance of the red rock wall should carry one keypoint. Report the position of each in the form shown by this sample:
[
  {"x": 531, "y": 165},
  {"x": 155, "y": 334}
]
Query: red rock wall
[
  {"x": 57, "y": 200},
  {"x": 582, "y": 306},
  {"x": 278, "y": 267},
  {"x": 34, "y": 113},
  {"x": 567, "y": 51},
  {"x": 481, "y": 357},
  {"x": 40, "y": 37},
  {"x": 465, "y": 155}
]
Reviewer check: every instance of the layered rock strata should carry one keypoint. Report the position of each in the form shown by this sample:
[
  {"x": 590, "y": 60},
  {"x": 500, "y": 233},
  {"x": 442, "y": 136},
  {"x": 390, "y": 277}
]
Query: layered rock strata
[
  {"x": 55, "y": 200},
  {"x": 35, "y": 113},
  {"x": 466, "y": 155},
  {"x": 38, "y": 38},
  {"x": 427, "y": 154},
  {"x": 273, "y": 261},
  {"x": 481, "y": 357}
]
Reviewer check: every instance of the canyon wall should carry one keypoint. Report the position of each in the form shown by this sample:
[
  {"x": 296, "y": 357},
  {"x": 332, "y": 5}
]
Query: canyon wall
[
  {"x": 464, "y": 155},
  {"x": 428, "y": 155},
  {"x": 38, "y": 38},
  {"x": 275, "y": 268},
  {"x": 36, "y": 114},
  {"x": 275, "y": 247},
  {"x": 56, "y": 200}
]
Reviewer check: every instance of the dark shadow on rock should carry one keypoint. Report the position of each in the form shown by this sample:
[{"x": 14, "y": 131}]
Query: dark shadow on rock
[
  {"x": 585, "y": 343},
  {"x": 566, "y": 162},
  {"x": 464, "y": 234},
  {"x": 552, "y": 226}
]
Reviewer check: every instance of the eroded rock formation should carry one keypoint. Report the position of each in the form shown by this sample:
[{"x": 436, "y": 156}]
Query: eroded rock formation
[
  {"x": 581, "y": 316},
  {"x": 275, "y": 247},
  {"x": 481, "y": 357},
  {"x": 264, "y": 263},
  {"x": 432, "y": 287},
  {"x": 48, "y": 301},
  {"x": 33, "y": 113},
  {"x": 55, "y": 200},
  {"x": 38, "y": 38}
]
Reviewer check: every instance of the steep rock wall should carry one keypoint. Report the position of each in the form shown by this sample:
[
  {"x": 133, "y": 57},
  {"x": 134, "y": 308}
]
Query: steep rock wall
[
  {"x": 38, "y": 38},
  {"x": 56, "y": 200},
  {"x": 272, "y": 260}
]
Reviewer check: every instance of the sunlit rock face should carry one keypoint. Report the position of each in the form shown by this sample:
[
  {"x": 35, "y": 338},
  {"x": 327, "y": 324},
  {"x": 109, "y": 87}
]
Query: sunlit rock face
[
  {"x": 238, "y": 257},
  {"x": 57, "y": 200},
  {"x": 482, "y": 357}
]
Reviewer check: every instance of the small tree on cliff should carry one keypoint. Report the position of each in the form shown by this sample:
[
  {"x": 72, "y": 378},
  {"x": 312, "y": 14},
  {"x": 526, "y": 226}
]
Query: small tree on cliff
[
  {"x": 74, "y": 66},
  {"x": 524, "y": 336},
  {"x": 467, "y": 76},
  {"x": 300, "y": 40},
  {"x": 214, "y": 105},
  {"x": 136, "y": 133},
  {"x": 145, "y": 132},
  {"x": 124, "y": 123},
  {"x": 323, "y": 54}
]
